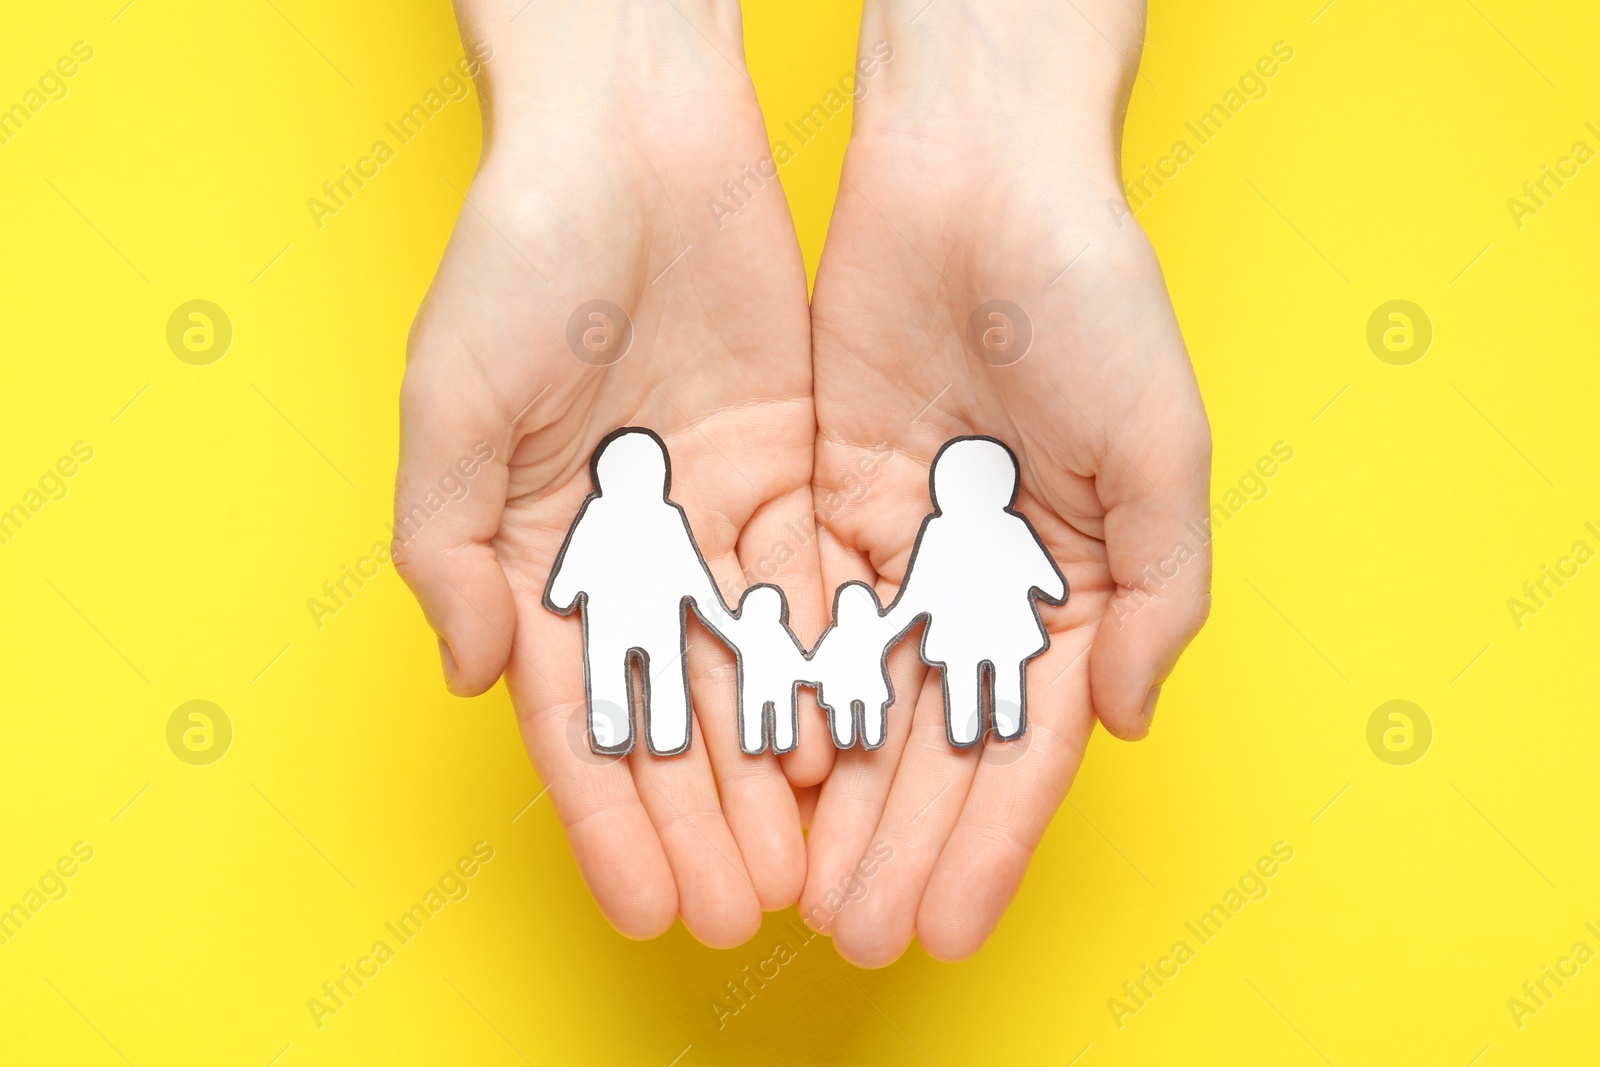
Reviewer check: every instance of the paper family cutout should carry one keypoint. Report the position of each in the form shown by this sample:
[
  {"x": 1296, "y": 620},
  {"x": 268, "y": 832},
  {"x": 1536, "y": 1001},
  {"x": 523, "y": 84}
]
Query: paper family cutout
[{"x": 976, "y": 573}]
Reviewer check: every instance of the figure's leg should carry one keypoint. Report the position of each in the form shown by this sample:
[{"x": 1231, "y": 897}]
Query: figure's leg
[
  {"x": 874, "y": 719},
  {"x": 840, "y": 722},
  {"x": 785, "y": 715},
  {"x": 667, "y": 696},
  {"x": 1008, "y": 685},
  {"x": 963, "y": 702},
  {"x": 610, "y": 715},
  {"x": 752, "y": 738}
]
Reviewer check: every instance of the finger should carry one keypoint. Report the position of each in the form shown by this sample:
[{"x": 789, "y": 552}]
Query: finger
[
  {"x": 930, "y": 785},
  {"x": 1011, "y": 802},
  {"x": 757, "y": 802},
  {"x": 851, "y": 800},
  {"x": 1159, "y": 550},
  {"x": 805, "y": 798},
  {"x": 614, "y": 841},
  {"x": 812, "y": 759},
  {"x": 716, "y": 896},
  {"x": 449, "y": 495}
]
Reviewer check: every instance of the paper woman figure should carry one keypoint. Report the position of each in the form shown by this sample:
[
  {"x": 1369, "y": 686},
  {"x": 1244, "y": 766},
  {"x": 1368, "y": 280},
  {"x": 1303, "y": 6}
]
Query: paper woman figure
[{"x": 975, "y": 572}]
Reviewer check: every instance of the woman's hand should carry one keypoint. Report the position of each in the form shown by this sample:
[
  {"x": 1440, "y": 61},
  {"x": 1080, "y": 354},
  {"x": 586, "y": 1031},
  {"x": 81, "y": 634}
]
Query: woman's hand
[
  {"x": 979, "y": 279},
  {"x": 610, "y": 126}
]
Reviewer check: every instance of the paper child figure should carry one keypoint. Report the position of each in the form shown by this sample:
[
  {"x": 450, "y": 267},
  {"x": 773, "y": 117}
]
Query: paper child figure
[
  {"x": 851, "y": 665},
  {"x": 631, "y": 560},
  {"x": 975, "y": 572},
  {"x": 771, "y": 665}
]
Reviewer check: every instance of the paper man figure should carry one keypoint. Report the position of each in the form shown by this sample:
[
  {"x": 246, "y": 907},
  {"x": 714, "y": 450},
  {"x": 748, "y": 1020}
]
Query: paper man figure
[
  {"x": 771, "y": 666},
  {"x": 631, "y": 560},
  {"x": 975, "y": 572},
  {"x": 851, "y": 665}
]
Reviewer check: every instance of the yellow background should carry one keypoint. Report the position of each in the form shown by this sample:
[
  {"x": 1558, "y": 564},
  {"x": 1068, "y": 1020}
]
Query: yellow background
[{"x": 1377, "y": 567}]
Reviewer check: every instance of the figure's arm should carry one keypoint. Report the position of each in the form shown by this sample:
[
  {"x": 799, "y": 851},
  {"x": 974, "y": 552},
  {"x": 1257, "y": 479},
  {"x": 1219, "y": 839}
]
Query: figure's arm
[
  {"x": 901, "y": 616},
  {"x": 710, "y": 606},
  {"x": 717, "y": 619},
  {"x": 816, "y": 664},
  {"x": 696, "y": 584},
  {"x": 910, "y": 602},
  {"x": 800, "y": 665},
  {"x": 566, "y": 582},
  {"x": 1047, "y": 577},
  {"x": 722, "y": 623}
]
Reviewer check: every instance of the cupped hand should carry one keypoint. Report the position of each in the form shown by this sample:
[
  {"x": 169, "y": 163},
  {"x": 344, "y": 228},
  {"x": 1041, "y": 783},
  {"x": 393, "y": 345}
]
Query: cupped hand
[
  {"x": 982, "y": 276},
  {"x": 611, "y": 126}
]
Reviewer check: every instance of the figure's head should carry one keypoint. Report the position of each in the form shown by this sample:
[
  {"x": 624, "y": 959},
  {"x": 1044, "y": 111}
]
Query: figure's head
[
  {"x": 972, "y": 475},
  {"x": 763, "y": 602},
  {"x": 854, "y": 603},
  {"x": 632, "y": 465}
]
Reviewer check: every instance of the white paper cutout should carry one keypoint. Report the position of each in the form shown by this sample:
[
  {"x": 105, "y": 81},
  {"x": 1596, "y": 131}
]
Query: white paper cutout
[
  {"x": 631, "y": 560},
  {"x": 771, "y": 664},
  {"x": 976, "y": 572},
  {"x": 851, "y": 666}
]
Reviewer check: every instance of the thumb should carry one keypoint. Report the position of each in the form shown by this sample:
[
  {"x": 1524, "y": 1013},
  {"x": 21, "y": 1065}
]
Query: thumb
[
  {"x": 1158, "y": 545},
  {"x": 450, "y": 493}
]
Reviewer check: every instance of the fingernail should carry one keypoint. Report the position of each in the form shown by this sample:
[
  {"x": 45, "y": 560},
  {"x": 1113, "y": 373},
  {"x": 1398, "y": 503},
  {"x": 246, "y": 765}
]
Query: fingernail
[
  {"x": 448, "y": 659},
  {"x": 1150, "y": 698}
]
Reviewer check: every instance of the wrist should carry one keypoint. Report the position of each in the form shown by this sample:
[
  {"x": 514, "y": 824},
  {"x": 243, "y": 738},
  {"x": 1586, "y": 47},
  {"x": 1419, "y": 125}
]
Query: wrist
[
  {"x": 560, "y": 60},
  {"x": 1035, "y": 79}
]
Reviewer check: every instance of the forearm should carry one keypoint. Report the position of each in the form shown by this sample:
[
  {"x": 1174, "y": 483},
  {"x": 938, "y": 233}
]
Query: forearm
[
  {"x": 1046, "y": 73},
  {"x": 570, "y": 58}
]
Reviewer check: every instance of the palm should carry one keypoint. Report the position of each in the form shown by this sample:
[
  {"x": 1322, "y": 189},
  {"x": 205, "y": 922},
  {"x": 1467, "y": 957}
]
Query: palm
[
  {"x": 718, "y": 366},
  {"x": 1104, "y": 417}
]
